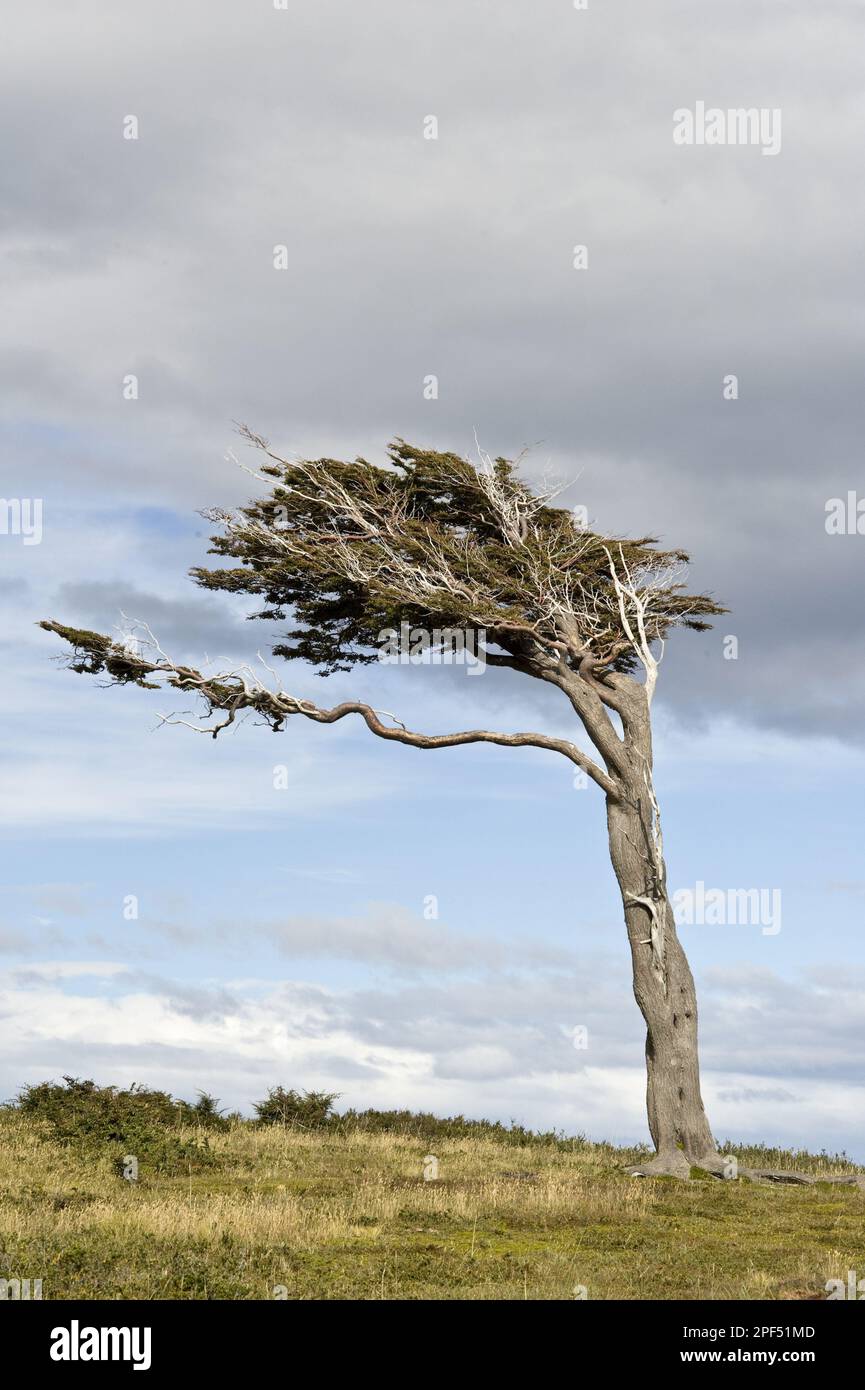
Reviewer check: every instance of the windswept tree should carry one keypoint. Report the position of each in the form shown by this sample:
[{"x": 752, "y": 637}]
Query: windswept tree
[{"x": 349, "y": 551}]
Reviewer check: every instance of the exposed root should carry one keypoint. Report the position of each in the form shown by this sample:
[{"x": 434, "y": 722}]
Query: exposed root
[
  {"x": 676, "y": 1164},
  {"x": 672, "y": 1164},
  {"x": 781, "y": 1175}
]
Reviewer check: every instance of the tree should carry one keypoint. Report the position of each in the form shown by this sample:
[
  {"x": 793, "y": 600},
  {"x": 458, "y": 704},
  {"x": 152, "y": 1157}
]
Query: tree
[{"x": 354, "y": 550}]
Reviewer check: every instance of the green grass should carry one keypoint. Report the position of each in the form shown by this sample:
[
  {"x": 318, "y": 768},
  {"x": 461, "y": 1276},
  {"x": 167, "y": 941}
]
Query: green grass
[{"x": 344, "y": 1212}]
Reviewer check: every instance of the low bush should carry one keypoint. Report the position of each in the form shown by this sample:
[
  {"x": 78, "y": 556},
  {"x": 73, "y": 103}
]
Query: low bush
[
  {"x": 137, "y": 1121},
  {"x": 421, "y": 1125},
  {"x": 298, "y": 1109}
]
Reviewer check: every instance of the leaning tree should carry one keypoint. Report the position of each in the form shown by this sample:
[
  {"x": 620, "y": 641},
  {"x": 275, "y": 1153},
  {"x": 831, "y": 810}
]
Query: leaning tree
[{"x": 353, "y": 550}]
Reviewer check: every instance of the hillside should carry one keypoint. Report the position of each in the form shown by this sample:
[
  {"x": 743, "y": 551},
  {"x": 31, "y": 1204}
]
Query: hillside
[{"x": 250, "y": 1211}]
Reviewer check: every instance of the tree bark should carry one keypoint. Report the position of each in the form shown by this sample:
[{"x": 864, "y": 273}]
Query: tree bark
[{"x": 663, "y": 983}]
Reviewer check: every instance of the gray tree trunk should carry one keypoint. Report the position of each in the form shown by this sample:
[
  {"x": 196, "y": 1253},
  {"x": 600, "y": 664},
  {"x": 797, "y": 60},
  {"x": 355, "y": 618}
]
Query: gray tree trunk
[{"x": 663, "y": 983}]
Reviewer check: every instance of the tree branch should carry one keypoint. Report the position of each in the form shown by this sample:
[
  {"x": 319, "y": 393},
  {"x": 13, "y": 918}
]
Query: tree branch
[
  {"x": 241, "y": 689},
  {"x": 415, "y": 740}
]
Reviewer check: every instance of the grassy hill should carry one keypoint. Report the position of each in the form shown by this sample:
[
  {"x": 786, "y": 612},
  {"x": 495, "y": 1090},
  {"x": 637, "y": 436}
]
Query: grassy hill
[{"x": 241, "y": 1210}]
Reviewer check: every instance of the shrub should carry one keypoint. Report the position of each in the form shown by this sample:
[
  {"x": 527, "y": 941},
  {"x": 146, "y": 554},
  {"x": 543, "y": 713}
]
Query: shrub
[
  {"x": 427, "y": 1127},
  {"x": 137, "y": 1121},
  {"x": 299, "y": 1109},
  {"x": 205, "y": 1112}
]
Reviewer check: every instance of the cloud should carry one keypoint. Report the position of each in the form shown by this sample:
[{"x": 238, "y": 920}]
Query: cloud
[
  {"x": 408, "y": 257},
  {"x": 454, "y": 256},
  {"x": 392, "y": 936},
  {"x": 805, "y": 1027},
  {"x": 58, "y": 970},
  {"x": 426, "y": 1047},
  {"x": 68, "y": 899},
  {"x": 386, "y": 936},
  {"x": 750, "y": 1095},
  {"x": 194, "y": 626}
]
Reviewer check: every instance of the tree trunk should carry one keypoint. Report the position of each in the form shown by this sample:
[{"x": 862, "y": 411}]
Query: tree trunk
[{"x": 663, "y": 983}]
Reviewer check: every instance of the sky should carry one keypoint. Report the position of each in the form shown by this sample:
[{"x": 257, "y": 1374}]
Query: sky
[{"x": 254, "y": 911}]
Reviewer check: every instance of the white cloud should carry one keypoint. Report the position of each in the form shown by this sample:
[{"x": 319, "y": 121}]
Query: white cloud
[{"x": 495, "y": 1049}]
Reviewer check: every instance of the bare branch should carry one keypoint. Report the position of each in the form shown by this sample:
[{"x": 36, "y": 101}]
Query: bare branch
[{"x": 242, "y": 688}]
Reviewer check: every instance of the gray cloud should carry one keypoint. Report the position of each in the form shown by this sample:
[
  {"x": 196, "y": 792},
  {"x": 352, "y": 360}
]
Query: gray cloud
[
  {"x": 197, "y": 623},
  {"x": 748, "y": 1094},
  {"x": 387, "y": 936},
  {"x": 393, "y": 937},
  {"x": 769, "y": 1041},
  {"x": 453, "y": 256}
]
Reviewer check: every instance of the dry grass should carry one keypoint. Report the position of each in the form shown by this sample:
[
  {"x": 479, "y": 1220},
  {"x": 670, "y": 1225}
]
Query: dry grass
[{"x": 349, "y": 1216}]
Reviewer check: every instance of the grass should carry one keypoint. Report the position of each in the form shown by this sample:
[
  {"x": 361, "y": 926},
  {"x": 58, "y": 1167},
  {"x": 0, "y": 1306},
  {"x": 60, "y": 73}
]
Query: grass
[{"x": 344, "y": 1213}]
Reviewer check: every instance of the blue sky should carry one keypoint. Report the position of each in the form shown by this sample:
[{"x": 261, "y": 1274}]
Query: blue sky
[{"x": 281, "y": 935}]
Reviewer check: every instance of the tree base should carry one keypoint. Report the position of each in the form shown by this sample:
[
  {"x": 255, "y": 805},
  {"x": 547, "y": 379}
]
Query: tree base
[
  {"x": 672, "y": 1164},
  {"x": 675, "y": 1163}
]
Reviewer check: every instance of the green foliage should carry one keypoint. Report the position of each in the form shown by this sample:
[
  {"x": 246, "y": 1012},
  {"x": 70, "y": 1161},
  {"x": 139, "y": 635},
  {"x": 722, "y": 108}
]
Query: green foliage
[
  {"x": 426, "y": 1127},
  {"x": 506, "y": 550},
  {"x": 298, "y": 1109},
  {"x": 95, "y": 655},
  {"x": 154, "y": 1126},
  {"x": 205, "y": 1112},
  {"x": 767, "y": 1156},
  {"x": 351, "y": 553},
  {"x": 138, "y": 1121}
]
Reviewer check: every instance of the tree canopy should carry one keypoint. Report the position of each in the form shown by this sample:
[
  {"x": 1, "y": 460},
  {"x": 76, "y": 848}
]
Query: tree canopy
[{"x": 354, "y": 550}]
